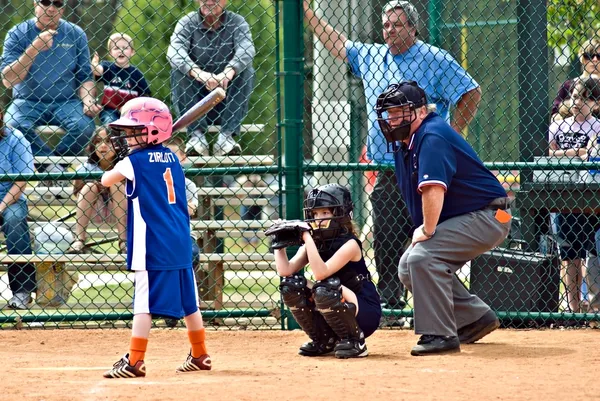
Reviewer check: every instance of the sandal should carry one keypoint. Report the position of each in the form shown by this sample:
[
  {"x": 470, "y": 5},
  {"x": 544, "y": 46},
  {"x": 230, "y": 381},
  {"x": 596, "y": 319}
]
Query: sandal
[
  {"x": 77, "y": 246},
  {"x": 123, "y": 246}
]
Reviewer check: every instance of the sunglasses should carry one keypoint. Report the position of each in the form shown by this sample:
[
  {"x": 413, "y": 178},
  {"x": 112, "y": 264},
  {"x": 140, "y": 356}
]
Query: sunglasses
[
  {"x": 590, "y": 56},
  {"x": 48, "y": 3}
]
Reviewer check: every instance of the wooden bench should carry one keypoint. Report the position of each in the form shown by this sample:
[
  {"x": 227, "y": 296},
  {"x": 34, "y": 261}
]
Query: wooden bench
[{"x": 211, "y": 275}]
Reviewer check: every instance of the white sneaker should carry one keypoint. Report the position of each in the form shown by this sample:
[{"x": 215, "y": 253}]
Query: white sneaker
[
  {"x": 226, "y": 146},
  {"x": 197, "y": 146},
  {"x": 20, "y": 300}
]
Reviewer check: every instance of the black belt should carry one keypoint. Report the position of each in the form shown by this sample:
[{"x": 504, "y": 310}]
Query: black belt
[{"x": 499, "y": 203}]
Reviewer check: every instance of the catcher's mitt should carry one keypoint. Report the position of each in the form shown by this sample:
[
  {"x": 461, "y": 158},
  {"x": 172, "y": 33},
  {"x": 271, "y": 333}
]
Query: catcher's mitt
[{"x": 286, "y": 233}]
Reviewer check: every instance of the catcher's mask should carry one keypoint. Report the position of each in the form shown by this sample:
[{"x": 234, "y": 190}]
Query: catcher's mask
[
  {"x": 405, "y": 97},
  {"x": 337, "y": 199}
]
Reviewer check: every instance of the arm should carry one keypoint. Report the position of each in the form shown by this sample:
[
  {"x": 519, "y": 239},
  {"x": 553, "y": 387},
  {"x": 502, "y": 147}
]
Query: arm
[
  {"x": 432, "y": 197},
  {"x": 178, "y": 51},
  {"x": 17, "y": 71},
  {"x": 87, "y": 93},
  {"x": 13, "y": 194},
  {"x": 334, "y": 41},
  {"x": 287, "y": 268},
  {"x": 555, "y": 151},
  {"x": 350, "y": 251},
  {"x": 97, "y": 67},
  {"x": 244, "y": 50},
  {"x": 466, "y": 109},
  {"x": 111, "y": 177}
]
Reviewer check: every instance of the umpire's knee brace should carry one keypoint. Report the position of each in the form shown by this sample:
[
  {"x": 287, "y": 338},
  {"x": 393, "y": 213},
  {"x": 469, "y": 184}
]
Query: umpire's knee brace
[{"x": 340, "y": 315}]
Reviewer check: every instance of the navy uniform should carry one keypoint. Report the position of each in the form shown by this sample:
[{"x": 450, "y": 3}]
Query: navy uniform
[
  {"x": 474, "y": 219},
  {"x": 356, "y": 277},
  {"x": 158, "y": 233},
  {"x": 331, "y": 322}
]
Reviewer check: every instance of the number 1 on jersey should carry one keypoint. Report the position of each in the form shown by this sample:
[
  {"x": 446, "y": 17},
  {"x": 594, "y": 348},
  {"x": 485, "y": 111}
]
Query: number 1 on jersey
[{"x": 168, "y": 177}]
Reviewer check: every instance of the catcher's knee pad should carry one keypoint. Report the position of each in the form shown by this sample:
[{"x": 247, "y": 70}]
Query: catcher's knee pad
[
  {"x": 296, "y": 296},
  {"x": 339, "y": 314}
]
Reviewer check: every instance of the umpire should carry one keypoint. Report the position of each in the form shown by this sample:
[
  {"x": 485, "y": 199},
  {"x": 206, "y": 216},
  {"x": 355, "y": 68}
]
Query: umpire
[{"x": 460, "y": 211}]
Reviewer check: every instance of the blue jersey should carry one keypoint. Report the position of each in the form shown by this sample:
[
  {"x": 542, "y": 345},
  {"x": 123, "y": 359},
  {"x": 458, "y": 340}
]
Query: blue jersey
[
  {"x": 158, "y": 223},
  {"x": 438, "y": 155}
]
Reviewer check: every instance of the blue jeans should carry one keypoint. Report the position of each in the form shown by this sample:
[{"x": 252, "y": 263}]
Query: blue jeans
[
  {"x": 21, "y": 276},
  {"x": 107, "y": 116},
  {"x": 230, "y": 113},
  {"x": 25, "y": 115}
]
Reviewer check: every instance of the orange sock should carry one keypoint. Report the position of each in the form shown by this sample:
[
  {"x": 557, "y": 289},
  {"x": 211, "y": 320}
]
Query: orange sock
[
  {"x": 197, "y": 340},
  {"x": 137, "y": 349}
]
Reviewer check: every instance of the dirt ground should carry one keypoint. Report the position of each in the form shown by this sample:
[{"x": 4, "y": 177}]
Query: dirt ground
[{"x": 263, "y": 365}]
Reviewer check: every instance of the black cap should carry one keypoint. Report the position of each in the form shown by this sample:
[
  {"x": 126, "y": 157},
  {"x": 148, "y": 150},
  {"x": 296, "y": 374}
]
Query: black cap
[{"x": 404, "y": 93}]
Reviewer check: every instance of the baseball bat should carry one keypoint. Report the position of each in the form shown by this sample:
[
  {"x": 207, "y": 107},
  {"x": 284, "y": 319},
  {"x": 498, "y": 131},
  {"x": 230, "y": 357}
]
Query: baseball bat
[{"x": 215, "y": 97}]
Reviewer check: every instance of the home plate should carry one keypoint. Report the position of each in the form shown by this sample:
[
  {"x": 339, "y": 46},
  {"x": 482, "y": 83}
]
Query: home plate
[{"x": 67, "y": 368}]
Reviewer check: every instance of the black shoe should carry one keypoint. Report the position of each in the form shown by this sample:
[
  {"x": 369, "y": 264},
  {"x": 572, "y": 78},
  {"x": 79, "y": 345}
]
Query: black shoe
[
  {"x": 351, "y": 349},
  {"x": 314, "y": 348},
  {"x": 430, "y": 345},
  {"x": 171, "y": 322},
  {"x": 478, "y": 329}
]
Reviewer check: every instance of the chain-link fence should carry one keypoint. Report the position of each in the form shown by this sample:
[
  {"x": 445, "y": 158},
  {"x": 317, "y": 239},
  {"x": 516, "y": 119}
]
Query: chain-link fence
[{"x": 301, "y": 80}]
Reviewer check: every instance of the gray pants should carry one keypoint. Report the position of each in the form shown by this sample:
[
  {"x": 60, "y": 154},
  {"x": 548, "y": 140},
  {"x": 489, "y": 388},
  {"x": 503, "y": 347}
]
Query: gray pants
[
  {"x": 186, "y": 91},
  {"x": 442, "y": 304}
]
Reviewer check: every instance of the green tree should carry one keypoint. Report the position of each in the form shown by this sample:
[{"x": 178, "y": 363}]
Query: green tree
[
  {"x": 151, "y": 23},
  {"x": 571, "y": 22}
]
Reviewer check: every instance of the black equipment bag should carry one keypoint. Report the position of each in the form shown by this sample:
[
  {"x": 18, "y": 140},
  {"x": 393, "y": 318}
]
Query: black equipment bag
[{"x": 517, "y": 281}]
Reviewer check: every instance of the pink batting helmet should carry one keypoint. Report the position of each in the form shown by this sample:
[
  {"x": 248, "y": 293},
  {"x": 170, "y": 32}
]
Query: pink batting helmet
[{"x": 148, "y": 113}]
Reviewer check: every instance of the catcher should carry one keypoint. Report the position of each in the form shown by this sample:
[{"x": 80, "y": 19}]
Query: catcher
[{"x": 342, "y": 307}]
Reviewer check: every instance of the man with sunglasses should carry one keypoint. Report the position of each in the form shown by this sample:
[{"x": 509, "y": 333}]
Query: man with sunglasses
[
  {"x": 401, "y": 57},
  {"x": 46, "y": 63}
]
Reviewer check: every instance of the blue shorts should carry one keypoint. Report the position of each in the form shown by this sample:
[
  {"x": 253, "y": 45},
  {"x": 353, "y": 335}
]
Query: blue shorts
[
  {"x": 369, "y": 308},
  {"x": 166, "y": 293},
  {"x": 576, "y": 234}
]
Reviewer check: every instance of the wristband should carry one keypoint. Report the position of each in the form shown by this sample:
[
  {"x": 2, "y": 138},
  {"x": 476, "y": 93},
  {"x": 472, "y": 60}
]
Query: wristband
[{"x": 425, "y": 233}]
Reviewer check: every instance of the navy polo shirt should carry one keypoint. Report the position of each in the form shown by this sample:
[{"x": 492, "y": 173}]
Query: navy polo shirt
[{"x": 438, "y": 155}]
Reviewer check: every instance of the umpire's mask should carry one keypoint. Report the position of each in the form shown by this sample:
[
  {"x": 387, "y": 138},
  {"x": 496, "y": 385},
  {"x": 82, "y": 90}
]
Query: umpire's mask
[{"x": 405, "y": 98}]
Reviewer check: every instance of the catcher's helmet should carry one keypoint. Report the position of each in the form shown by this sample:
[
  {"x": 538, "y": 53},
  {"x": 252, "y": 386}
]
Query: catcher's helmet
[
  {"x": 335, "y": 197},
  {"x": 407, "y": 93},
  {"x": 148, "y": 114}
]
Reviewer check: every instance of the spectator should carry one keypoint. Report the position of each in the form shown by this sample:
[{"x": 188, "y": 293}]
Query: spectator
[
  {"x": 94, "y": 201},
  {"x": 46, "y": 62},
  {"x": 122, "y": 81},
  {"x": 589, "y": 57},
  {"x": 446, "y": 84},
  {"x": 569, "y": 138},
  {"x": 16, "y": 158},
  {"x": 212, "y": 47}
]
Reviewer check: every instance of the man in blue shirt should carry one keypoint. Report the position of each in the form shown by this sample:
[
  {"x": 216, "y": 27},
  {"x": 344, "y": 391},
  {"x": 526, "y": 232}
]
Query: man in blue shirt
[
  {"x": 460, "y": 211},
  {"x": 401, "y": 57},
  {"x": 16, "y": 158},
  {"x": 46, "y": 63}
]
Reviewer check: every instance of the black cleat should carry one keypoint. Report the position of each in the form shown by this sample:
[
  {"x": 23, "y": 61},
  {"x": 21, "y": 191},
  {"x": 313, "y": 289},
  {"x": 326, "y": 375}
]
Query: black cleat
[
  {"x": 314, "y": 348},
  {"x": 432, "y": 345},
  {"x": 351, "y": 349},
  {"x": 478, "y": 329}
]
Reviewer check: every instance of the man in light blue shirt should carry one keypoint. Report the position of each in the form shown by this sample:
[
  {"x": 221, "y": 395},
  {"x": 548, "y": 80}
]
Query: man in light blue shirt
[
  {"x": 46, "y": 63},
  {"x": 401, "y": 58},
  {"x": 16, "y": 158}
]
